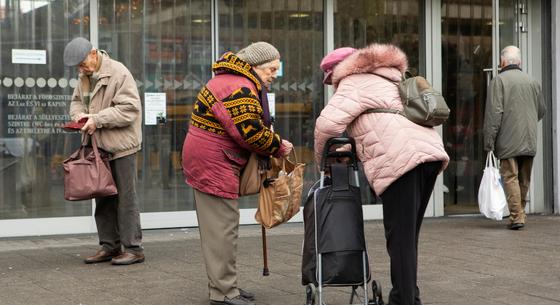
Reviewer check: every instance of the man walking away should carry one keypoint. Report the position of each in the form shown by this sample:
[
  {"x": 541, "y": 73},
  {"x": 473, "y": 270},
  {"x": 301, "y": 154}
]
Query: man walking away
[{"x": 513, "y": 108}]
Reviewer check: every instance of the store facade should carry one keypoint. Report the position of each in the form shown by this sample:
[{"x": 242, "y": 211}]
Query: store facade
[{"x": 169, "y": 47}]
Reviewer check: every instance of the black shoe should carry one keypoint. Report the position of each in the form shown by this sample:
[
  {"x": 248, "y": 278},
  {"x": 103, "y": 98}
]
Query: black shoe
[
  {"x": 516, "y": 226},
  {"x": 246, "y": 294},
  {"x": 238, "y": 300}
]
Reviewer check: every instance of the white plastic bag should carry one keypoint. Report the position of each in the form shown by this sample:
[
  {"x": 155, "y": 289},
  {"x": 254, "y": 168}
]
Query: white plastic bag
[{"x": 491, "y": 197}]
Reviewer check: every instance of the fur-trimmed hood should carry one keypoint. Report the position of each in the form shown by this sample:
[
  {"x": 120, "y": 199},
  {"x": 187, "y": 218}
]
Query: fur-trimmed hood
[{"x": 370, "y": 60}]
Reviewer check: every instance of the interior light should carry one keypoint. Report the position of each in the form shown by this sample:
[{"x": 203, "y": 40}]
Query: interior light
[
  {"x": 200, "y": 21},
  {"x": 299, "y": 15},
  {"x": 26, "y": 6}
]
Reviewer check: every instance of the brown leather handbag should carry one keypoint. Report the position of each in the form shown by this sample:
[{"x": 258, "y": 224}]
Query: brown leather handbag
[
  {"x": 280, "y": 196},
  {"x": 251, "y": 178},
  {"x": 87, "y": 173}
]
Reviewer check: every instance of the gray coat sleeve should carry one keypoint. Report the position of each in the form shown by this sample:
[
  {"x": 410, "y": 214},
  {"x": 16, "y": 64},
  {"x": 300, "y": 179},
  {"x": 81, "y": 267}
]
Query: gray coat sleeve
[
  {"x": 493, "y": 113},
  {"x": 540, "y": 100}
]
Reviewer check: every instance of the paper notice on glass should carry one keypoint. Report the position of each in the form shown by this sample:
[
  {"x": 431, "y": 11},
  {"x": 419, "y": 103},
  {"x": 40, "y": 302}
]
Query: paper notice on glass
[
  {"x": 280, "y": 71},
  {"x": 24, "y": 56},
  {"x": 271, "y": 103},
  {"x": 154, "y": 107}
]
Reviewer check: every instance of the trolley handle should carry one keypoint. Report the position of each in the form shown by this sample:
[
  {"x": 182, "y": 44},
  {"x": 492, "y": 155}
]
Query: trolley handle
[
  {"x": 341, "y": 141},
  {"x": 327, "y": 153}
]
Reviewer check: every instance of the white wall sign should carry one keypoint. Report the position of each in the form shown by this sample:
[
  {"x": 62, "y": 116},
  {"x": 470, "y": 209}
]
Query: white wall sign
[
  {"x": 34, "y": 57},
  {"x": 280, "y": 72},
  {"x": 154, "y": 106},
  {"x": 271, "y": 103}
]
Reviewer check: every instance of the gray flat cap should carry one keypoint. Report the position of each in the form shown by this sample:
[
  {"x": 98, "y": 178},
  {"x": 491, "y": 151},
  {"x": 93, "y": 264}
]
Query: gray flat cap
[
  {"x": 258, "y": 53},
  {"x": 76, "y": 51}
]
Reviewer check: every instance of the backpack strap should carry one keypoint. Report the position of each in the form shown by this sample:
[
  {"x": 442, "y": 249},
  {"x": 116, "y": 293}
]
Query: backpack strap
[
  {"x": 384, "y": 110},
  {"x": 388, "y": 79},
  {"x": 387, "y": 110}
]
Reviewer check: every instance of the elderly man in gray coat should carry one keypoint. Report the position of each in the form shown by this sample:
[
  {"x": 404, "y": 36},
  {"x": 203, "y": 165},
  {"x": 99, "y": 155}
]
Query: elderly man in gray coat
[{"x": 513, "y": 108}]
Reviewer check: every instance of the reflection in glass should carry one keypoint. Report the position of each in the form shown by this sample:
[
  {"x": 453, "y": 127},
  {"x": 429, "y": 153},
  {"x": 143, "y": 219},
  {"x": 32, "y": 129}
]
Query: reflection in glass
[
  {"x": 296, "y": 30},
  {"x": 467, "y": 69},
  {"x": 167, "y": 47},
  {"x": 466, "y": 51},
  {"x": 32, "y": 144},
  {"x": 360, "y": 23},
  {"x": 508, "y": 23}
]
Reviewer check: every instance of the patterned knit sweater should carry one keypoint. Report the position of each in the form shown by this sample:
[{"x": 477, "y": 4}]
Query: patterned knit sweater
[
  {"x": 243, "y": 106},
  {"x": 230, "y": 119}
]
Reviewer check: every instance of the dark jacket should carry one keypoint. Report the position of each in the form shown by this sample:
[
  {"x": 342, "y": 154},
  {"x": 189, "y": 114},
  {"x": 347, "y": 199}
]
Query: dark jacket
[{"x": 513, "y": 107}]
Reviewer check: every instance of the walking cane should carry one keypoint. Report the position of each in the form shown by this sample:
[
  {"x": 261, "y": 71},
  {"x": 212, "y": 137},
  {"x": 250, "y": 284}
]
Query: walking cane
[
  {"x": 265, "y": 254},
  {"x": 263, "y": 229}
]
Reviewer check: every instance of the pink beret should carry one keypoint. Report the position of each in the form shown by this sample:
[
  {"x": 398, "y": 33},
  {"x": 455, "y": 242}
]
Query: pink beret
[{"x": 332, "y": 59}]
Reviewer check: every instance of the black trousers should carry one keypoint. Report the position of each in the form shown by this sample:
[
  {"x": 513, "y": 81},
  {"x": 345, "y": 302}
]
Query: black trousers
[{"x": 404, "y": 204}]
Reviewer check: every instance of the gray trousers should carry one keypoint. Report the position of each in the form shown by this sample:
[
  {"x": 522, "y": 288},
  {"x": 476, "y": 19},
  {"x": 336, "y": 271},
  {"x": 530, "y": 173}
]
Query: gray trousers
[
  {"x": 118, "y": 217},
  {"x": 218, "y": 223}
]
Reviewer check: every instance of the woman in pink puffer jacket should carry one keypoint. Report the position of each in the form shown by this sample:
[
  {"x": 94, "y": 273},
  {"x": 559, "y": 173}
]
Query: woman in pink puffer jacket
[{"x": 401, "y": 159}]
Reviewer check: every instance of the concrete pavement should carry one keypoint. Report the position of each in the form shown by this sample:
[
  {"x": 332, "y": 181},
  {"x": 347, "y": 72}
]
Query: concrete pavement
[{"x": 463, "y": 261}]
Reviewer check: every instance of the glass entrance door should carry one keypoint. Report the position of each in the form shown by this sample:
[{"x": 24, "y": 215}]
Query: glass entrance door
[
  {"x": 473, "y": 33},
  {"x": 35, "y": 91}
]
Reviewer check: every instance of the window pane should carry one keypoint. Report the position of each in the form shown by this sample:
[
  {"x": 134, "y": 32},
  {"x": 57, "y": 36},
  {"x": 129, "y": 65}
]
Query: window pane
[
  {"x": 295, "y": 28},
  {"x": 35, "y": 93},
  {"x": 360, "y": 23},
  {"x": 466, "y": 53},
  {"x": 167, "y": 47}
]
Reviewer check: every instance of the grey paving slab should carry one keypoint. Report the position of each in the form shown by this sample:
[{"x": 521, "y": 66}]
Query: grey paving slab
[{"x": 462, "y": 261}]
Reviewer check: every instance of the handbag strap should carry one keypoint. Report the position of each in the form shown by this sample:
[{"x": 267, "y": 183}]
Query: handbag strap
[
  {"x": 85, "y": 139},
  {"x": 95, "y": 150},
  {"x": 81, "y": 151},
  {"x": 284, "y": 158},
  {"x": 292, "y": 152}
]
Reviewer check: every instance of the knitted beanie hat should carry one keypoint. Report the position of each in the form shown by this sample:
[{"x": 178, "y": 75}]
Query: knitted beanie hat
[{"x": 258, "y": 53}]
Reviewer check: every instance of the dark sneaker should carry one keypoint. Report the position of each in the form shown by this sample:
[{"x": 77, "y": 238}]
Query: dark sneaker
[
  {"x": 246, "y": 294},
  {"x": 102, "y": 256},
  {"x": 516, "y": 226},
  {"x": 238, "y": 300}
]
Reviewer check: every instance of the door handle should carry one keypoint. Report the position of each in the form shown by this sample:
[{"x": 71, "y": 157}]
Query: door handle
[{"x": 488, "y": 74}]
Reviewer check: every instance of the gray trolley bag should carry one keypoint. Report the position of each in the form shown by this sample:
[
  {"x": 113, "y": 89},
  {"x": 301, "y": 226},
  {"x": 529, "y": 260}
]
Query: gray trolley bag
[{"x": 334, "y": 247}]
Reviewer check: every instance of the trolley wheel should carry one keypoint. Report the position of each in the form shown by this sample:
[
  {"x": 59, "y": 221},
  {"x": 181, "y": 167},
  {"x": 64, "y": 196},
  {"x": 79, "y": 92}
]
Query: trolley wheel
[
  {"x": 377, "y": 294},
  {"x": 311, "y": 294}
]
